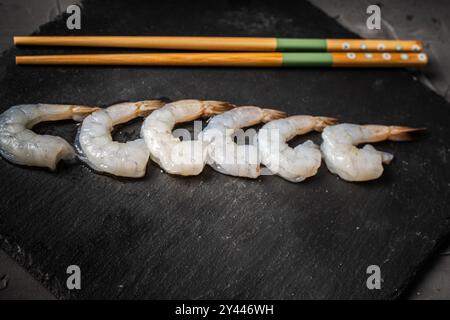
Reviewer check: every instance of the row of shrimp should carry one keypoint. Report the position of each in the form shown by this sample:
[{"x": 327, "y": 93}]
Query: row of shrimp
[{"x": 214, "y": 146}]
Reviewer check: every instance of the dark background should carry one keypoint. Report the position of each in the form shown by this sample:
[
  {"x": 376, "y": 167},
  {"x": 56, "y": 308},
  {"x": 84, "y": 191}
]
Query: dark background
[{"x": 215, "y": 236}]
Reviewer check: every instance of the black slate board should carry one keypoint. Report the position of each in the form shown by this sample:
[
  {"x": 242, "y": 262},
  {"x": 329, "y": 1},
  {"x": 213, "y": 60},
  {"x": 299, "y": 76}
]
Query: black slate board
[{"x": 215, "y": 236}]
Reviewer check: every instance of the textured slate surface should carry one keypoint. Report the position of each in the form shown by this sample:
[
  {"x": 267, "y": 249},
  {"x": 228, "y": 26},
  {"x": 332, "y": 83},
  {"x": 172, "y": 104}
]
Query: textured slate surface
[{"x": 215, "y": 236}]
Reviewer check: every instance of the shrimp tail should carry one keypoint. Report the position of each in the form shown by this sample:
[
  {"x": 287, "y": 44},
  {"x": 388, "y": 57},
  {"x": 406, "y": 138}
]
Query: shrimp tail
[
  {"x": 81, "y": 112},
  {"x": 147, "y": 106},
  {"x": 322, "y": 122},
  {"x": 271, "y": 114},
  {"x": 216, "y": 107},
  {"x": 397, "y": 133}
]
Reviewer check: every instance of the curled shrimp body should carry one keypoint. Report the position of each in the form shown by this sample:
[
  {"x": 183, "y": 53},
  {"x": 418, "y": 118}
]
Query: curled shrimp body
[
  {"x": 354, "y": 164},
  {"x": 97, "y": 149},
  {"x": 20, "y": 145},
  {"x": 293, "y": 164},
  {"x": 224, "y": 155},
  {"x": 185, "y": 157}
]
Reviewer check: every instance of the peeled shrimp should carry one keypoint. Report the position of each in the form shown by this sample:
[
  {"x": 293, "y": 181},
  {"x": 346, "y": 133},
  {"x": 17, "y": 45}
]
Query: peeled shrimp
[
  {"x": 97, "y": 149},
  {"x": 293, "y": 164},
  {"x": 185, "y": 157},
  {"x": 224, "y": 155},
  {"x": 351, "y": 163},
  {"x": 20, "y": 145}
]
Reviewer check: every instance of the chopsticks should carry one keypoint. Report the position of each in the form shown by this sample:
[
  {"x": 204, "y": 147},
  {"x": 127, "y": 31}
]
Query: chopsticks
[
  {"x": 226, "y": 43},
  {"x": 257, "y": 59},
  {"x": 251, "y": 52}
]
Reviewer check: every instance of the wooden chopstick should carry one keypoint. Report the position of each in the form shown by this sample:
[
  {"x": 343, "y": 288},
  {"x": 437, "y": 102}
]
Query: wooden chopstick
[
  {"x": 240, "y": 59},
  {"x": 226, "y": 43}
]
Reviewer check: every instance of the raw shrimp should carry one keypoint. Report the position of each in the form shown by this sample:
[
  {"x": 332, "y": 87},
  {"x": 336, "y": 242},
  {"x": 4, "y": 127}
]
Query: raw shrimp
[
  {"x": 20, "y": 145},
  {"x": 224, "y": 155},
  {"x": 351, "y": 163},
  {"x": 97, "y": 149},
  {"x": 185, "y": 157},
  {"x": 293, "y": 164}
]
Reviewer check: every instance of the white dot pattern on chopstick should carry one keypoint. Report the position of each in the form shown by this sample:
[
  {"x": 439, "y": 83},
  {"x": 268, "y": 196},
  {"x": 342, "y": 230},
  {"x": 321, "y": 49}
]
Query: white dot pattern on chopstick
[
  {"x": 346, "y": 46},
  {"x": 368, "y": 55},
  {"x": 351, "y": 55},
  {"x": 404, "y": 56},
  {"x": 363, "y": 46},
  {"x": 415, "y": 47},
  {"x": 422, "y": 57},
  {"x": 381, "y": 47},
  {"x": 398, "y": 47},
  {"x": 386, "y": 56}
]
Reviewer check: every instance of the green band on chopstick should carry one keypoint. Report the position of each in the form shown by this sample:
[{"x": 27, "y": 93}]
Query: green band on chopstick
[
  {"x": 306, "y": 59},
  {"x": 284, "y": 44}
]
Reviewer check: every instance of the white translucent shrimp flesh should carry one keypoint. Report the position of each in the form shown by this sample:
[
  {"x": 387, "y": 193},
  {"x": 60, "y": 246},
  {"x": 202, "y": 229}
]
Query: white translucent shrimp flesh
[
  {"x": 97, "y": 149},
  {"x": 20, "y": 145},
  {"x": 293, "y": 164},
  {"x": 224, "y": 155},
  {"x": 174, "y": 156},
  {"x": 359, "y": 164}
]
